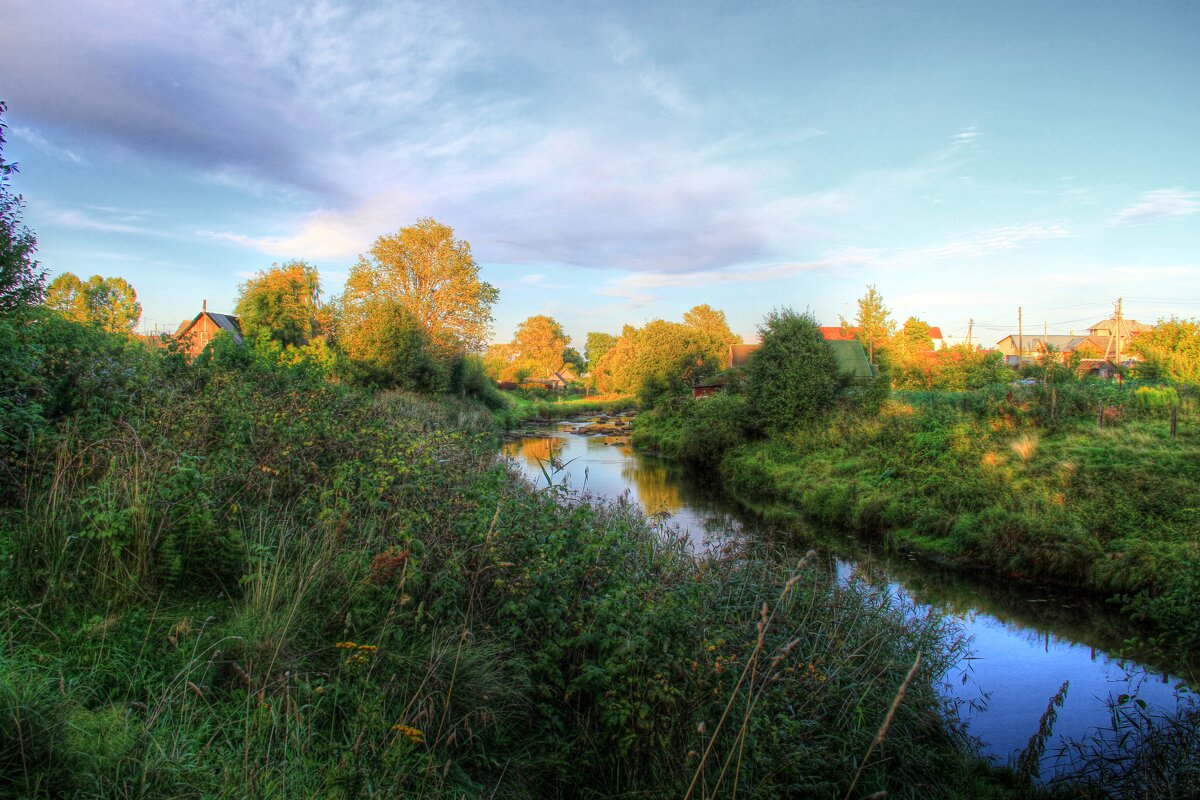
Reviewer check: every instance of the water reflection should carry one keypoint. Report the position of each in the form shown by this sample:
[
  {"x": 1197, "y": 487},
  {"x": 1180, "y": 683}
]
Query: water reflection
[{"x": 1027, "y": 639}]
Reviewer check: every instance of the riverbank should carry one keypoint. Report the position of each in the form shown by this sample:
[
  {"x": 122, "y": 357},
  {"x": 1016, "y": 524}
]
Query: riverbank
[
  {"x": 986, "y": 481},
  {"x": 520, "y": 408},
  {"x": 232, "y": 578}
]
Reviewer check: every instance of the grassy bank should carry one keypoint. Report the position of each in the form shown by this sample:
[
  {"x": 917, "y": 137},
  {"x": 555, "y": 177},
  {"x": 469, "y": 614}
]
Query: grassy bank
[
  {"x": 1020, "y": 481},
  {"x": 229, "y": 578},
  {"x": 521, "y": 408}
]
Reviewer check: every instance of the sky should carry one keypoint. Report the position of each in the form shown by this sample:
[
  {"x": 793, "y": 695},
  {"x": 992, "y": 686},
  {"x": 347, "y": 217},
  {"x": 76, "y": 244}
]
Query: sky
[{"x": 617, "y": 162}]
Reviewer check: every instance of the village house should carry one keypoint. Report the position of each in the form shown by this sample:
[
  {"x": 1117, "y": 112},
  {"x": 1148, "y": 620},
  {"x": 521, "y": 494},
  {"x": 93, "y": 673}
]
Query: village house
[
  {"x": 1107, "y": 339},
  {"x": 202, "y": 329}
]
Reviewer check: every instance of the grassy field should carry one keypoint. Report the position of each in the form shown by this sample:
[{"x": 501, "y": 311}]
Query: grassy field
[{"x": 523, "y": 408}]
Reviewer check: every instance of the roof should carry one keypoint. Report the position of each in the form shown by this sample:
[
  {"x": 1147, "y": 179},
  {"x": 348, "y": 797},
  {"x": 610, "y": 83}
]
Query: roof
[
  {"x": 834, "y": 333},
  {"x": 1059, "y": 341},
  {"x": 225, "y": 322},
  {"x": 1130, "y": 326},
  {"x": 851, "y": 358},
  {"x": 935, "y": 333},
  {"x": 740, "y": 353}
]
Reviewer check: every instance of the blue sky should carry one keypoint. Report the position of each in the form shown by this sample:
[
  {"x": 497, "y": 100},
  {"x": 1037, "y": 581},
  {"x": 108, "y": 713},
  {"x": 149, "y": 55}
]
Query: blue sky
[{"x": 621, "y": 162}]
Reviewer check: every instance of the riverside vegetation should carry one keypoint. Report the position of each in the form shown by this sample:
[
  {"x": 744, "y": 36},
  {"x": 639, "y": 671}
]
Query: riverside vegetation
[
  {"x": 1075, "y": 482},
  {"x": 232, "y": 577}
]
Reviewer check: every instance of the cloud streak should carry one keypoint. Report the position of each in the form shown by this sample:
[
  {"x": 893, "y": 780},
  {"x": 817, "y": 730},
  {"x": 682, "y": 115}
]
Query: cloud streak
[{"x": 1158, "y": 205}]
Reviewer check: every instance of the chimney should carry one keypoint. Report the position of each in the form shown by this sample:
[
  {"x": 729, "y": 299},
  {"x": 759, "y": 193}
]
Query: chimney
[{"x": 204, "y": 305}]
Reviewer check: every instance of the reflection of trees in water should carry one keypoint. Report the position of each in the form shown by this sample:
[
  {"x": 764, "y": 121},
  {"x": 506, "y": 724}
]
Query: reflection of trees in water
[
  {"x": 1049, "y": 616},
  {"x": 655, "y": 488},
  {"x": 533, "y": 451}
]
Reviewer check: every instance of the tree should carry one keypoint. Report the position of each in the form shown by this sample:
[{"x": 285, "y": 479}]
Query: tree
[
  {"x": 712, "y": 331},
  {"x": 875, "y": 328},
  {"x": 597, "y": 345},
  {"x": 110, "y": 304},
  {"x": 22, "y": 281},
  {"x": 282, "y": 304},
  {"x": 385, "y": 344},
  {"x": 1171, "y": 350},
  {"x": 540, "y": 342},
  {"x": 792, "y": 377},
  {"x": 434, "y": 277},
  {"x": 914, "y": 337}
]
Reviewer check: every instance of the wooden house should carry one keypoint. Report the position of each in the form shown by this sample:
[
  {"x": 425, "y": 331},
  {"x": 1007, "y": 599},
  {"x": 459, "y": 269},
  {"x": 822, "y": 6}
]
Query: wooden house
[{"x": 204, "y": 327}]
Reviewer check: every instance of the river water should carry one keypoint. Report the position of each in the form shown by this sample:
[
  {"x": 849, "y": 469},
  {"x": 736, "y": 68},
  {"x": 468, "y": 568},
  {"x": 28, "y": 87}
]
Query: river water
[{"x": 1026, "y": 639}]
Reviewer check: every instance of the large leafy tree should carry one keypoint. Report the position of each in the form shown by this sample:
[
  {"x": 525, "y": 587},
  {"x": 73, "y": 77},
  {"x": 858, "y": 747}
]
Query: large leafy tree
[
  {"x": 434, "y": 277},
  {"x": 873, "y": 321},
  {"x": 792, "y": 377},
  {"x": 22, "y": 281},
  {"x": 1171, "y": 350},
  {"x": 282, "y": 303},
  {"x": 385, "y": 344},
  {"x": 712, "y": 332},
  {"x": 540, "y": 342},
  {"x": 598, "y": 343},
  {"x": 110, "y": 304}
]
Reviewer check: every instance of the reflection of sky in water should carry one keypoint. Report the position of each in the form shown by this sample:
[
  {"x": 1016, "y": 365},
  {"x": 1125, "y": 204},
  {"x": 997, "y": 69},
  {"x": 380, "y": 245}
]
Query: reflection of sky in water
[{"x": 1017, "y": 667}]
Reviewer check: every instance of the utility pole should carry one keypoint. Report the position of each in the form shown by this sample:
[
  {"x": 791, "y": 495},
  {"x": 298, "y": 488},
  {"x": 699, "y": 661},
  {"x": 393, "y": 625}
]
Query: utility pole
[
  {"x": 1020, "y": 335},
  {"x": 1118, "y": 325},
  {"x": 970, "y": 326}
]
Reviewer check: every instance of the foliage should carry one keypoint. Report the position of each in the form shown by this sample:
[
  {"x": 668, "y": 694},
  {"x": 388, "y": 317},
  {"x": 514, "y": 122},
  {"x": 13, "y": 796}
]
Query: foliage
[
  {"x": 1170, "y": 351},
  {"x": 282, "y": 304},
  {"x": 433, "y": 277},
  {"x": 539, "y": 342},
  {"x": 598, "y": 344},
  {"x": 712, "y": 331},
  {"x": 659, "y": 359},
  {"x": 384, "y": 344},
  {"x": 22, "y": 280},
  {"x": 791, "y": 379},
  {"x": 229, "y": 577},
  {"x": 874, "y": 325},
  {"x": 108, "y": 303},
  {"x": 952, "y": 369}
]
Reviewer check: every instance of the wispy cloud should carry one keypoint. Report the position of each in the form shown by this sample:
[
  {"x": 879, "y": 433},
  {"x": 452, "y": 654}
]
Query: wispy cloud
[
  {"x": 37, "y": 140},
  {"x": 1158, "y": 205},
  {"x": 78, "y": 220}
]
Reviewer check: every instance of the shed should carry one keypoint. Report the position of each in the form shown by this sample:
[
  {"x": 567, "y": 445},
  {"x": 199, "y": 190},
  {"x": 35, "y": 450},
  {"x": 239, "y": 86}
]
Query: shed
[{"x": 204, "y": 327}]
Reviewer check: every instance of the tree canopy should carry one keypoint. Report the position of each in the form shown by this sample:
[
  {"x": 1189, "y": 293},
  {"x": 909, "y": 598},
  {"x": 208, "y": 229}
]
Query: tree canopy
[
  {"x": 1171, "y": 350},
  {"x": 598, "y": 343},
  {"x": 22, "y": 281},
  {"x": 875, "y": 326},
  {"x": 712, "y": 333},
  {"x": 434, "y": 277},
  {"x": 540, "y": 343},
  {"x": 110, "y": 304},
  {"x": 792, "y": 377},
  {"x": 282, "y": 304}
]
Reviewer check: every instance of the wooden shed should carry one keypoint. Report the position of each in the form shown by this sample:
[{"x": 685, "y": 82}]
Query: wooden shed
[{"x": 202, "y": 329}]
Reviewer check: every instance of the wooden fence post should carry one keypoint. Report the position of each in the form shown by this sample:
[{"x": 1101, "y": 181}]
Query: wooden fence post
[
  {"x": 1100, "y": 415},
  {"x": 1174, "y": 420},
  {"x": 1053, "y": 401}
]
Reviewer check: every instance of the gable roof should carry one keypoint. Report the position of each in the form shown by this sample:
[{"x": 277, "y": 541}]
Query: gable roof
[
  {"x": 935, "y": 332},
  {"x": 1128, "y": 326},
  {"x": 851, "y": 358},
  {"x": 834, "y": 333},
  {"x": 225, "y": 322}
]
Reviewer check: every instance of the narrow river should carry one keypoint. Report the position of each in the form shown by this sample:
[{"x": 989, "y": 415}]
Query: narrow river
[{"x": 1027, "y": 639}]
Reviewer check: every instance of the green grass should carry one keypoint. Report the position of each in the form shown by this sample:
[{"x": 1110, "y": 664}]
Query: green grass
[
  {"x": 520, "y": 408},
  {"x": 234, "y": 579}
]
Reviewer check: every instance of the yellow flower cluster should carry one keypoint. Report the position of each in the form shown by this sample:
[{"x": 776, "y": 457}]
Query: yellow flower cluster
[
  {"x": 414, "y": 735},
  {"x": 360, "y": 651}
]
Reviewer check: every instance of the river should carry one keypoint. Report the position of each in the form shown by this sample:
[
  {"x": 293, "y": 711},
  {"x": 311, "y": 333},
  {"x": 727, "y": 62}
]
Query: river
[{"x": 1027, "y": 639}]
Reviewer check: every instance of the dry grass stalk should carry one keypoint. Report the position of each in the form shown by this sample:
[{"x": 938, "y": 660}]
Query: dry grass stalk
[{"x": 887, "y": 723}]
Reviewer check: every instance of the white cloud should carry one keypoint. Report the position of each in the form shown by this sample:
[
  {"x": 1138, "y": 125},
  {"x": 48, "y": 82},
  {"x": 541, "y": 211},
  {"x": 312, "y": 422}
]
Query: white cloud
[{"x": 1158, "y": 205}]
